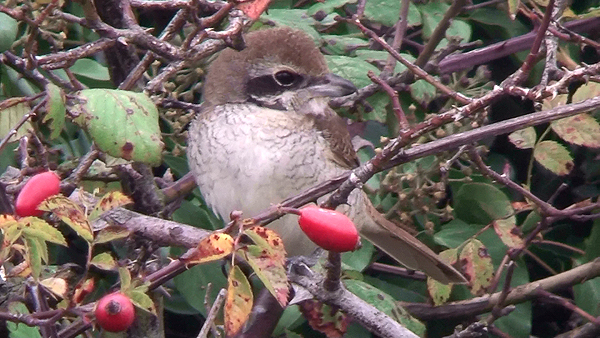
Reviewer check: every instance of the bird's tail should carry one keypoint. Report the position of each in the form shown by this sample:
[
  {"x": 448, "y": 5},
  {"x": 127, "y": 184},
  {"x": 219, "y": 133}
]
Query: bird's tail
[{"x": 398, "y": 243}]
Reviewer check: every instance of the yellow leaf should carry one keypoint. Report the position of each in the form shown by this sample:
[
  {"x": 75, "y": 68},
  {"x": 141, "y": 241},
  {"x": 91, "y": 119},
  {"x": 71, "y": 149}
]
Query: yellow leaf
[
  {"x": 211, "y": 248},
  {"x": 109, "y": 201},
  {"x": 110, "y": 233},
  {"x": 7, "y": 221},
  {"x": 267, "y": 259},
  {"x": 70, "y": 213},
  {"x": 58, "y": 286},
  {"x": 104, "y": 261},
  {"x": 508, "y": 232},
  {"x": 239, "y": 301},
  {"x": 37, "y": 227},
  {"x": 477, "y": 266},
  {"x": 439, "y": 292}
]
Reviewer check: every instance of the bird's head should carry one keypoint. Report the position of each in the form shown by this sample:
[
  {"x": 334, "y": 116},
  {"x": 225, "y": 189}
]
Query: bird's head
[{"x": 280, "y": 68}]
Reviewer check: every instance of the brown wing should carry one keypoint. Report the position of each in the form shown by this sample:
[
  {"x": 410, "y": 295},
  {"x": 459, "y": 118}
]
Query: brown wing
[
  {"x": 335, "y": 131},
  {"x": 402, "y": 246}
]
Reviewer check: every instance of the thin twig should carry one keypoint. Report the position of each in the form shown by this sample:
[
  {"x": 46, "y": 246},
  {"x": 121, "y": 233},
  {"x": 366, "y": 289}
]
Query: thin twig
[
  {"x": 420, "y": 73},
  {"x": 398, "y": 37},
  {"x": 212, "y": 314},
  {"x": 404, "y": 125}
]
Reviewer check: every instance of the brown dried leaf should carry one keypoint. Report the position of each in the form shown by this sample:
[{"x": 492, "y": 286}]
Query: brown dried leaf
[
  {"x": 323, "y": 318},
  {"x": 253, "y": 9}
]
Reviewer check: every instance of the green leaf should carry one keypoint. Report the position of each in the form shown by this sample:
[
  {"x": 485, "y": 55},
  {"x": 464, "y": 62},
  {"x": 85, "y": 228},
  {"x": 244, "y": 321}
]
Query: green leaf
[
  {"x": 70, "y": 213},
  {"x": 477, "y": 266},
  {"x": 290, "y": 319},
  {"x": 385, "y": 303},
  {"x": 37, "y": 227},
  {"x": 508, "y": 232},
  {"x": 9, "y": 28},
  {"x": 581, "y": 130},
  {"x": 343, "y": 45},
  {"x": 328, "y": 6},
  {"x": 589, "y": 90},
  {"x": 497, "y": 24},
  {"x": 110, "y": 233},
  {"x": 295, "y": 18},
  {"x": 178, "y": 164},
  {"x": 271, "y": 272},
  {"x": 524, "y": 138},
  {"x": 587, "y": 296},
  {"x": 440, "y": 293},
  {"x": 20, "y": 330},
  {"x": 554, "y": 157},
  {"x": 104, "y": 261},
  {"x": 422, "y": 91},
  {"x": 455, "y": 233},
  {"x": 381, "y": 56},
  {"x": 530, "y": 222},
  {"x": 125, "y": 279},
  {"x": 91, "y": 69},
  {"x": 518, "y": 322},
  {"x": 481, "y": 203},
  {"x": 193, "y": 214},
  {"x": 387, "y": 12},
  {"x": 123, "y": 124},
  {"x": 55, "y": 110},
  {"x": 141, "y": 300},
  {"x": 267, "y": 259},
  {"x": 109, "y": 201},
  {"x": 15, "y": 84},
  {"x": 192, "y": 284},
  {"x": 431, "y": 15},
  {"x": 351, "y": 68},
  {"x": 592, "y": 249},
  {"x": 35, "y": 252},
  {"x": 459, "y": 29},
  {"x": 10, "y": 116},
  {"x": 361, "y": 258}
]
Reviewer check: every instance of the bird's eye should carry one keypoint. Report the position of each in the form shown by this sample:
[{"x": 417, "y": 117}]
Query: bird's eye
[{"x": 285, "y": 78}]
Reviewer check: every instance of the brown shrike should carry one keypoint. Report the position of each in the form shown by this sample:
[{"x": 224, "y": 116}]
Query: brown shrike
[{"x": 266, "y": 133}]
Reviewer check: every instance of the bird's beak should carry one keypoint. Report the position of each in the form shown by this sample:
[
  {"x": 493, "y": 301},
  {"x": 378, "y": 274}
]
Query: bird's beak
[{"x": 331, "y": 85}]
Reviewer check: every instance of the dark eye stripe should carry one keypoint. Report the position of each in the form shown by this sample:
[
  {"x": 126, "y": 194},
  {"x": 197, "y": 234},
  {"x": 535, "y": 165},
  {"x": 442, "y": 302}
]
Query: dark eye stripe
[{"x": 267, "y": 85}]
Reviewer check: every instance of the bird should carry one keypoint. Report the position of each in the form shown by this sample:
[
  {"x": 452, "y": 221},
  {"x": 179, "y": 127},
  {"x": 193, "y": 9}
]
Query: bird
[{"x": 265, "y": 132}]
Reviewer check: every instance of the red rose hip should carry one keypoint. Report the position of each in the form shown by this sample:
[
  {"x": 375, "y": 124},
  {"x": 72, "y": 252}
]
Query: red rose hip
[
  {"x": 329, "y": 229},
  {"x": 115, "y": 312},
  {"x": 35, "y": 191}
]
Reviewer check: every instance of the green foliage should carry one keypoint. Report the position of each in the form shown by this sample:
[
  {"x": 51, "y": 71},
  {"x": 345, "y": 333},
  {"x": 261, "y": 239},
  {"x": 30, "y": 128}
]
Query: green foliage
[
  {"x": 138, "y": 137},
  {"x": 8, "y": 31},
  {"x": 386, "y": 304}
]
